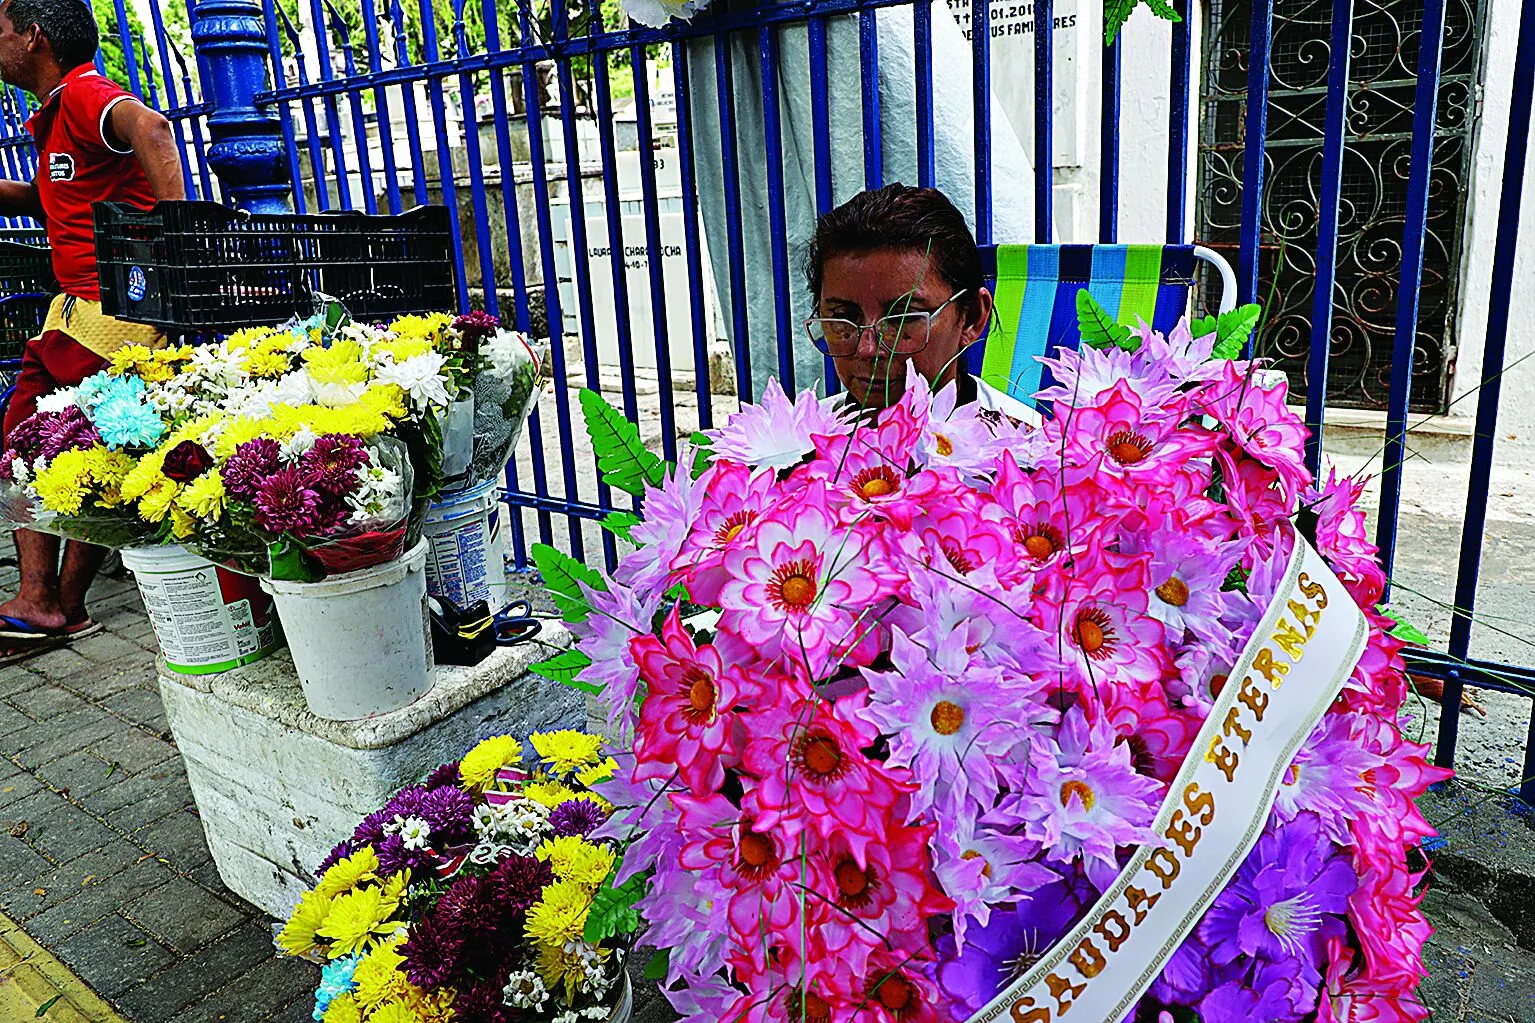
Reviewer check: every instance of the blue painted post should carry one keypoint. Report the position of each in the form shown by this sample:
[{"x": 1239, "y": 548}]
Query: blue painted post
[{"x": 247, "y": 151}]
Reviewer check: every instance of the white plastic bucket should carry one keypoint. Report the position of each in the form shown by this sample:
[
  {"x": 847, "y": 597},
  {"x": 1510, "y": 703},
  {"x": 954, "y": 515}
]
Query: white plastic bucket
[
  {"x": 466, "y": 558},
  {"x": 206, "y": 618},
  {"x": 361, "y": 641}
]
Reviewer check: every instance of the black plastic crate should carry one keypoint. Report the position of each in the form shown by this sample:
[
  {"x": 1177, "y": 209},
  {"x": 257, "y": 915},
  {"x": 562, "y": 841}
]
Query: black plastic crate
[
  {"x": 27, "y": 287},
  {"x": 201, "y": 267}
]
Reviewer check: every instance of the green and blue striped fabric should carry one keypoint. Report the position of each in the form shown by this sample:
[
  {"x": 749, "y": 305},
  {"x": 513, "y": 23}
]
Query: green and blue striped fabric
[{"x": 1036, "y": 301}]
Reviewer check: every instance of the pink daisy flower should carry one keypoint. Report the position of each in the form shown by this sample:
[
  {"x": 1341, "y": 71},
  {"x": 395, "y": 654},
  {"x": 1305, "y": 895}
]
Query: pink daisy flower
[
  {"x": 959, "y": 536},
  {"x": 1082, "y": 376},
  {"x": 867, "y": 472},
  {"x": 1098, "y": 622},
  {"x": 731, "y": 500},
  {"x": 1260, "y": 423},
  {"x": 617, "y": 618},
  {"x": 981, "y": 866},
  {"x": 1049, "y": 516},
  {"x": 1124, "y": 439},
  {"x": 669, "y": 512},
  {"x": 776, "y": 433}
]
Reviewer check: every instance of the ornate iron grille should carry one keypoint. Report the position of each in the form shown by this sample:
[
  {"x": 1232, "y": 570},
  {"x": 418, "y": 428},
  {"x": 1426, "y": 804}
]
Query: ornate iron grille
[{"x": 1378, "y": 147}]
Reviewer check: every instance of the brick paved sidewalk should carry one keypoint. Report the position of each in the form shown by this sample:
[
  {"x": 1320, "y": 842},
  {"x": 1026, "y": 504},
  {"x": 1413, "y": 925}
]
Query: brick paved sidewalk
[{"x": 102, "y": 856}]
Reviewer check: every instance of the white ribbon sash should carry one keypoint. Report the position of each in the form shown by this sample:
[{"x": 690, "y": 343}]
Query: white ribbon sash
[{"x": 1302, "y": 651}]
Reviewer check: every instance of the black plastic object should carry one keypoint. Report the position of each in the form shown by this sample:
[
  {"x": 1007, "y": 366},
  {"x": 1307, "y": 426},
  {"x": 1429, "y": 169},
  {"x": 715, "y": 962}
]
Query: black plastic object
[
  {"x": 201, "y": 267},
  {"x": 27, "y": 286},
  {"x": 468, "y": 635}
]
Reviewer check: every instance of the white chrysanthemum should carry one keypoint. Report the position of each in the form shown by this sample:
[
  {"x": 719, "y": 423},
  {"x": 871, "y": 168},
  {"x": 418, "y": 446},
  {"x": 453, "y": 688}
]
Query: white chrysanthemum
[
  {"x": 656, "y": 13},
  {"x": 415, "y": 832},
  {"x": 419, "y": 376},
  {"x": 294, "y": 447},
  {"x": 296, "y": 388},
  {"x": 58, "y": 401},
  {"x": 777, "y": 433},
  {"x": 20, "y": 472},
  {"x": 508, "y": 350},
  {"x": 525, "y": 990},
  {"x": 379, "y": 491}
]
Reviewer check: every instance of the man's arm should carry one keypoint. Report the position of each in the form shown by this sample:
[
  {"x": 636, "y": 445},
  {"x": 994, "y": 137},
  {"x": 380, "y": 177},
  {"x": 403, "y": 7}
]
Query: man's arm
[
  {"x": 148, "y": 134},
  {"x": 20, "y": 199}
]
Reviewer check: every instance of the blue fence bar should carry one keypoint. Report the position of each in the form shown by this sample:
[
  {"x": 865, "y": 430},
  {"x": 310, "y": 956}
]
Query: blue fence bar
[
  {"x": 873, "y": 135},
  {"x": 980, "y": 46},
  {"x": 1328, "y": 202},
  {"x": 1259, "y": 43},
  {"x": 724, "y": 83},
  {"x": 1178, "y": 129},
  {"x": 1424, "y": 118},
  {"x": 1044, "y": 110},
  {"x": 922, "y": 49},
  {"x": 778, "y": 240},
  {"x": 1108, "y": 147}
]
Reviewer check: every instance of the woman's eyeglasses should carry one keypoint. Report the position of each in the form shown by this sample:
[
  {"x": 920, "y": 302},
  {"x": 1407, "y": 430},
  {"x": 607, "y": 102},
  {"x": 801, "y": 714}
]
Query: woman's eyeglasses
[{"x": 897, "y": 334}]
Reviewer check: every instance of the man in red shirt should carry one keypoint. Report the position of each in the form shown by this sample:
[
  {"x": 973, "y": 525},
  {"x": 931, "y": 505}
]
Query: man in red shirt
[{"x": 95, "y": 142}]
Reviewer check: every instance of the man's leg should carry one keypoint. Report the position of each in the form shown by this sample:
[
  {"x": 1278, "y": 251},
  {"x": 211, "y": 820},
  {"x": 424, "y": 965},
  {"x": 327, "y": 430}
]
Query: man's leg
[
  {"x": 37, "y": 601},
  {"x": 81, "y": 562}
]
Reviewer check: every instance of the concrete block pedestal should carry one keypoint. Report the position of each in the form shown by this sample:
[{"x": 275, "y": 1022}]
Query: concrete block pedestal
[{"x": 278, "y": 787}]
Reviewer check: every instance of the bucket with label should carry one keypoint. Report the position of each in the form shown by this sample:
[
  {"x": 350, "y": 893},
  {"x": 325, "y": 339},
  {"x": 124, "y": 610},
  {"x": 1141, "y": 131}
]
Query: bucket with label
[
  {"x": 361, "y": 641},
  {"x": 206, "y": 618},
  {"x": 466, "y": 560}
]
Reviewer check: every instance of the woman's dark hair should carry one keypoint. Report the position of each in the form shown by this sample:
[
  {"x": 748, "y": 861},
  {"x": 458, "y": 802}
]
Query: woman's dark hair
[
  {"x": 69, "y": 25},
  {"x": 898, "y": 217}
]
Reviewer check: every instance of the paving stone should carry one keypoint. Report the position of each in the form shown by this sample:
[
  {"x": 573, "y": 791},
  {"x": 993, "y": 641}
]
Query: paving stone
[
  {"x": 184, "y": 915},
  {"x": 61, "y": 736},
  {"x": 133, "y": 802},
  {"x": 105, "y": 648},
  {"x": 301, "y": 1011},
  {"x": 133, "y": 750},
  {"x": 18, "y": 678},
  {"x": 60, "y": 663},
  {"x": 67, "y": 881},
  {"x": 16, "y": 788},
  {"x": 140, "y": 705},
  {"x": 12, "y": 720},
  {"x": 163, "y": 998},
  {"x": 105, "y": 680},
  {"x": 272, "y": 984},
  {"x": 113, "y": 956},
  {"x": 19, "y": 862},
  {"x": 79, "y": 774},
  {"x": 47, "y": 702},
  {"x": 59, "y": 829},
  {"x": 178, "y": 839},
  {"x": 96, "y": 901}
]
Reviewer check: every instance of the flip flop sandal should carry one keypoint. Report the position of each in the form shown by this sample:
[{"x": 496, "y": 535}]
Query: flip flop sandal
[
  {"x": 22, "y": 652},
  {"x": 19, "y": 629}
]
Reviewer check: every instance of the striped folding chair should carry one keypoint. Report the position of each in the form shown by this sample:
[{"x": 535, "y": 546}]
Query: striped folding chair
[{"x": 1035, "y": 289}]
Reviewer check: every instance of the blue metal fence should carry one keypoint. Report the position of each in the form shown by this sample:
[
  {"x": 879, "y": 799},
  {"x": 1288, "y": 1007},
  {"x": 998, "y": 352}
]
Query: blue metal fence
[{"x": 376, "y": 104}]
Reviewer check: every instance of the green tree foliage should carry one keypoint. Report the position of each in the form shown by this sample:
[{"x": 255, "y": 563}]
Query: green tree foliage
[{"x": 112, "y": 54}]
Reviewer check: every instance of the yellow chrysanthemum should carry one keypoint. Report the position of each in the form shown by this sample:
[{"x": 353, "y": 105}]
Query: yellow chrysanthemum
[
  {"x": 421, "y": 326},
  {"x": 266, "y": 364},
  {"x": 348, "y": 873},
  {"x": 559, "y": 916},
  {"x": 358, "y": 920},
  {"x": 144, "y": 477},
  {"x": 62, "y": 484},
  {"x": 435, "y": 1006},
  {"x": 248, "y": 336},
  {"x": 559, "y": 966},
  {"x": 173, "y": 355},
  {"x": 341, "y": 363},
  {"x": 396, "y": 1012},
  {"x": 567, "y": 750},
  {"x": 299, "y": 936},
  {"x": 355, "y": 418},
  {"x": 549, "y": 793},
  {"x": 573, "y": 858},
  {"x": 182, "y": 524},
  {"x": 236, "y": 432},
  {"x": 479, "y": 766},
  {"x": 107, "y": 467},
  {"x": 378, "y": 977},
  {"x": 598, "y": 772},
  {"x": 156, "y": 503},
  {"x": 403, "y": 348},
  {"x": 343, "y": 1009},
  {"x": 129, "y": 358},
  {"x": 385, "y": 399},
  {"x": 204, "y": 496},
  {"x": 394, "y": 888}
]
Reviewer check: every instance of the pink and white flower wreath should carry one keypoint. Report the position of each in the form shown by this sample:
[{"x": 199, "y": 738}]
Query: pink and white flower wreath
[{"x": 955, "y": 663}]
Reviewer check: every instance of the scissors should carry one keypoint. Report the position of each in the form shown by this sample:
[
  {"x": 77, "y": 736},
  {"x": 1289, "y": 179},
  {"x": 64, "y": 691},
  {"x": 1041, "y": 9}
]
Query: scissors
[{"x": 514, "y": 625}]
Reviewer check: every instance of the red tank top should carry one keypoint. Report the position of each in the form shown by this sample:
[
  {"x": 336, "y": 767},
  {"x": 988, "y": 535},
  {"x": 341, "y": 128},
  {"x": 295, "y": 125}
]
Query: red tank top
[{"x": 77, "y": 166}]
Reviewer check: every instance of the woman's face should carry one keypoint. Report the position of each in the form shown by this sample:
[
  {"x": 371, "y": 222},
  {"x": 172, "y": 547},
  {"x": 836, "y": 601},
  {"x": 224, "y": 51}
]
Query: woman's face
[{"x": 864, "y": 286}]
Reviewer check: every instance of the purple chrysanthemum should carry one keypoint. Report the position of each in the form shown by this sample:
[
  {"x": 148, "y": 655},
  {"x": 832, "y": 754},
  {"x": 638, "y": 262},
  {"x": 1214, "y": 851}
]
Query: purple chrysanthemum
[
  {"x": 333, "y": 462},
  {"x": 394, "y": 857},
  {"x": 1285, "y": 899},
  {"x": 286, "y": 503},
  {"x": 482, "y": 1003},
  {"x": 68, "y": 431},
  {"x": 432, "y": 953},
  {"x": 447, "y": 811},
  {"x": 576, "y": 817},
  {"x": 475, "y": 326},
  {"x": 371, "y": 830},
  {"x": 251, "y": 463},
  {"x": 516, "y": 883},
  {"x": 445, "y": 774},
  {"x": 342, "y": 850},
  {"x": 405, "y": 803}
]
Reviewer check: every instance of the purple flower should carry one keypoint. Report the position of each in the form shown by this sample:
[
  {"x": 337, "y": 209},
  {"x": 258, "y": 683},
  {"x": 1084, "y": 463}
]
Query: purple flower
[
  {"x": 333, "y": 462},
  {"x": 474, "y": 327},
  {"x": 576, "y": 817},
  {"x": 445, "y": 774},
  {"x": 1186, "y": 978},
  {"x": 251, "y": 463},
  {"x": 482, "y": 1003},
  {"x": 447, "y": 810},
  {"x": 1264, "y": 996},
  {"x": 1012, "y": 941},
  {"x": 286, "y": 503},
  {"x": 344, "y": 849},
  {"x": 516, "y": 883},
  {"x": 1285, "y": 898},
  {"x": 67, "y": 431},
  {"x": 405, "y": 803},
  {"x": 371, "y": 830},
  {"x": 432, "y": 953},
  {"x": 394, "y": 857}
]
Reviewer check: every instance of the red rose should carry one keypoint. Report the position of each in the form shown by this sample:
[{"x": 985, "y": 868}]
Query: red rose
[{"x": 186, "y": 461}]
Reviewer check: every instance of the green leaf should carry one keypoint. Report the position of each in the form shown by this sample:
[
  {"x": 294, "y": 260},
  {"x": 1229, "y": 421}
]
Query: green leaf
[
  {"x": 1164, "y": 10},
  {"x": 1233, "y": 329},
  {"x": 1405, "y": 630},
  {"x": 42, "y": 1010},
  {"x": 703, "y": 455},
  {"x": 565, "y": 668},
  {"x": 613, "y": 911},
  {"x": 1202, "y": 326},
  {"x": 658, "y": 965},
  {"x": 621, "y": 455},
  {"x": 619, "y": 523},
  {"x": 562, "y": 575},
  {"x": 1115, "y": 14},
  {"x": 1098, "y": 328}
]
